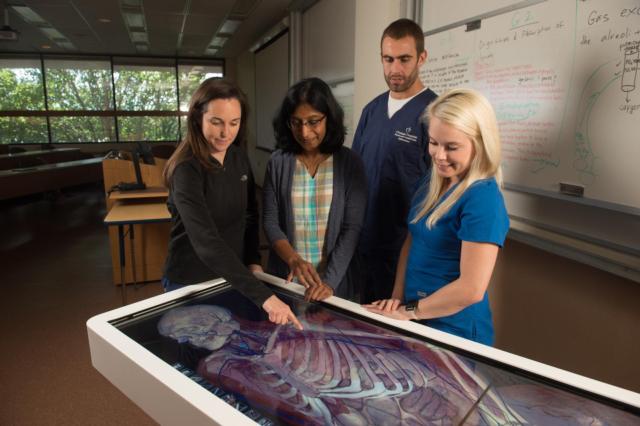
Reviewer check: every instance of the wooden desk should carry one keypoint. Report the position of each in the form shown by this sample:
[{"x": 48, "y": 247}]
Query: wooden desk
[
  {"x": 152, "y": 238},
  {"x": 38, "y": 158},
  {"x": 149, "y": 192},
  {"x": 132, "y": 212},
  {"x": 48, "y": 177},
  {"x": 125, "y": 213},
  {"x": 42, "y": 152}
]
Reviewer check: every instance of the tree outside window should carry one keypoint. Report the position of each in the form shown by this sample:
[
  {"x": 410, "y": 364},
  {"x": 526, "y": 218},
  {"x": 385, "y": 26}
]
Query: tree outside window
[{"x": 142, "y": 100}]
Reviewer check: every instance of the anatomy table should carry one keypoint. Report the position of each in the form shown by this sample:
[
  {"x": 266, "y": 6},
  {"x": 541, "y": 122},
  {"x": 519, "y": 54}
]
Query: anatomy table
[{"x": 204, "y": 354}]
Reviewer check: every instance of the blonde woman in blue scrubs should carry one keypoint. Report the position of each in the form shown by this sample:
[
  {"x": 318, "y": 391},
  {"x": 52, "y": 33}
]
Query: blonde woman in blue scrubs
[{"x": 457, "y": 223}]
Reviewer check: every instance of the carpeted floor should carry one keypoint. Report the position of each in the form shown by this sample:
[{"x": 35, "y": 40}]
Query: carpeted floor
[{"x": 56, "y": 274}]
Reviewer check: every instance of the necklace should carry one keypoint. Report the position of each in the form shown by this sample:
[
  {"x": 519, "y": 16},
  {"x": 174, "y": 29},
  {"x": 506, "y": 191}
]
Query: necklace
[{"x": 312, "y": 164}]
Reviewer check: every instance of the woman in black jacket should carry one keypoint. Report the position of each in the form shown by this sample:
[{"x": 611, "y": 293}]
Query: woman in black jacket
[{"x": 212, "y": 201}]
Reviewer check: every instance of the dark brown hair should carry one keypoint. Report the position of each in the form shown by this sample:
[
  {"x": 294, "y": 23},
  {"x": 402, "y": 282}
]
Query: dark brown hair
[
  {"x": 195, "y": 144},
  {"x": 405, "y": 28}
]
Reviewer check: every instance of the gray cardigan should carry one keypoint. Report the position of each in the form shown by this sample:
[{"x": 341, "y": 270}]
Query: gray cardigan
[{"x": 345, "y": 217}]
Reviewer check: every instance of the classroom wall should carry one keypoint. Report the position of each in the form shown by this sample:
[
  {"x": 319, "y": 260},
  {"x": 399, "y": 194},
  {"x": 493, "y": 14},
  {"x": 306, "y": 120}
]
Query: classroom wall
[
  {"x": 325, "y": 25},
  {"x": 567, "y": 314},
  {"x": 372, "y": 17},
  {"x": 245, "y": 77}
]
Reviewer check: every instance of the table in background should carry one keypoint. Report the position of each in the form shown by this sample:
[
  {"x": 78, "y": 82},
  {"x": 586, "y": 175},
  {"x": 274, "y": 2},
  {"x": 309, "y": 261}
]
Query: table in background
[
  {"x": 152, "y": 239},
  {"x": 135, "y": 208},
  {"x": 40, "y": 157},
  {"x": 48, "y": 177}
]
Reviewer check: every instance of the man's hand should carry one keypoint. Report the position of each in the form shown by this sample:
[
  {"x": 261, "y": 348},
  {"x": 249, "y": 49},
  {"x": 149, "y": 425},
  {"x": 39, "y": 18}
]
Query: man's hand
[{"x": 279, "y": 312}]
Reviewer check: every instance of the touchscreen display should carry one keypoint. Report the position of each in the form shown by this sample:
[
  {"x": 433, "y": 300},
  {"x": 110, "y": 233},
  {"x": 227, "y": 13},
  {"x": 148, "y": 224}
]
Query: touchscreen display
[{"x": 343, "y": 369}]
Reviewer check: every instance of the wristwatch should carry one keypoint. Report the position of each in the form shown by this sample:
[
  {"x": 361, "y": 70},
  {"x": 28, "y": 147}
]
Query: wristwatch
[{"x": 412, "y": 306}]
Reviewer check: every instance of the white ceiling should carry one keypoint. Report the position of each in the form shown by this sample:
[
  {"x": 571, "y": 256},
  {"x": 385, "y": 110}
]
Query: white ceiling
[{"x": 198, "y": 20}]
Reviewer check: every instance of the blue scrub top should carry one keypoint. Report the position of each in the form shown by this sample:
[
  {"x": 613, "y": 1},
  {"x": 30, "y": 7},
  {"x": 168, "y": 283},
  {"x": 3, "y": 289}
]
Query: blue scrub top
[
  {"x": 394, "y": 153},
  {"x": 434, "y": 258}
]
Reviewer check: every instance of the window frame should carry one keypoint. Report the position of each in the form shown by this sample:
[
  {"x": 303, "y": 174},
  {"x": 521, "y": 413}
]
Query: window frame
[{"x": 172, "y": 62}]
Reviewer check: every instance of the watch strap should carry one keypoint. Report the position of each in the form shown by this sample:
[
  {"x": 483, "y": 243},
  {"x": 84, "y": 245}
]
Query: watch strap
[{"x": 411, "y": 305}]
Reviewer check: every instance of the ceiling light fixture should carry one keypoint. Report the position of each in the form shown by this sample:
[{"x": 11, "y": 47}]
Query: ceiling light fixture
[
  {"x": 31, "y": 17},
  {"x": 134, "y": 19},
  {"x": 52, "y": 33},
  {"x": 66, "y": 45},
  {"x": 271, "y": 34},
  {"x": 230, "y": 26},
  {"x": 133, "y": 14},
  {"x": 28, "y": 14},
  {"x": 218, "y": 41},
  {"x": 138, "y": 37}
]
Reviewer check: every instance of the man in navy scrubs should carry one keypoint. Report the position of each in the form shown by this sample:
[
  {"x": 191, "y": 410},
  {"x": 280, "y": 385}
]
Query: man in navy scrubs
[{"x": 392, "y": 141}]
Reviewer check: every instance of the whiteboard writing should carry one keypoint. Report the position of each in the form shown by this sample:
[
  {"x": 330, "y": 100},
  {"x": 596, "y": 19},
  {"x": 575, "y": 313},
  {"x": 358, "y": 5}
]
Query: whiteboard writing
[{"x": 563, "y": 79}]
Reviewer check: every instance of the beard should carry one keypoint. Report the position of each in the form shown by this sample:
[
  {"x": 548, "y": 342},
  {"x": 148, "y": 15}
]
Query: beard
[{"x": 403, "y": 83}]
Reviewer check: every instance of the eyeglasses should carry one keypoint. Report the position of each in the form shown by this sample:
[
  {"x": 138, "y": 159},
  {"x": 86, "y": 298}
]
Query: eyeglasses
[{"x": 297, "y": 124}]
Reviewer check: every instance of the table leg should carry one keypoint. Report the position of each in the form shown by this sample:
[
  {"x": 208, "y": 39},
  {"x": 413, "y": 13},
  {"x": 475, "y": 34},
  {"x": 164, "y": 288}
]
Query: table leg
[
  {"x": 133, "y": 256},
  {"x": 123, "y": 290}
]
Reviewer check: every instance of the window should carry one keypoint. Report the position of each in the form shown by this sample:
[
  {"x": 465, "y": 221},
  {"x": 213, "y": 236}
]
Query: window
[
  {"x": 145, "y": 88},
  {"x": 148, "y": 128},
  {"x": 82, "y": 129},
  {"x": 80, "y": 99},
  {"x": 77, "y": 86},
  {"x": 190, "y": 76},
  {"x": 21, "y": 90},
  {"x": 21, "y": 85},
  {"x": 22, "y": 129}
]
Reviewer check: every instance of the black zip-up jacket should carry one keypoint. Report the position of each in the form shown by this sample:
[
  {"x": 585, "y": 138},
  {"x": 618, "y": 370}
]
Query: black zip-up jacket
[{"x": 214, "y": 229}]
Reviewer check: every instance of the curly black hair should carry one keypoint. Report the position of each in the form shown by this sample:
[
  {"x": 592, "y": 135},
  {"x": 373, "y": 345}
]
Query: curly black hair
[{"x": 318, "y": 95}]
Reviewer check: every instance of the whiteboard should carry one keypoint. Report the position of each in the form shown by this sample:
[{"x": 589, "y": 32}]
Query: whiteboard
[
  {"x": 272, "y": 82},
  {"x": 562, "y": 77},
  {"x": 440, "y": 13}
]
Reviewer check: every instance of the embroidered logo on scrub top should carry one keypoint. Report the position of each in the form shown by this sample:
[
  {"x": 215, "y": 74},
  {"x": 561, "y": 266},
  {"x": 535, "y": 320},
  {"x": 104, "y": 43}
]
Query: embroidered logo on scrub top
[
  {"x": 243, "y": 178},
  {"x": 405, "y": 136}
]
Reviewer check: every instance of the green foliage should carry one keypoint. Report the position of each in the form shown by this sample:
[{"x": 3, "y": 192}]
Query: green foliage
[
  {"x": 140, "y": 90},
  {"x": 83, "y": 129},
  {"x": 21, "y": 89},
  {"x": 90, "y": 89},
  {"x": 148, "y": 128},
  {"x": 23, "y": 129}
]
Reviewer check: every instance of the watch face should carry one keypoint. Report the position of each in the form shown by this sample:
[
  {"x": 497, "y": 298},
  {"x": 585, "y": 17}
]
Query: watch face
[{"x": 411, "y": 306}]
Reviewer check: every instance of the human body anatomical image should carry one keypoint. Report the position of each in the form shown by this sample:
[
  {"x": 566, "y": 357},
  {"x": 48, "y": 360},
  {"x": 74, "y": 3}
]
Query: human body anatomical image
[{"x": 348, "y": 372}]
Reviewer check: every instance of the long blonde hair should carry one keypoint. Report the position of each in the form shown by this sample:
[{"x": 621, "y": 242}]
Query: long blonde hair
[{"x": 469, "y": 112}]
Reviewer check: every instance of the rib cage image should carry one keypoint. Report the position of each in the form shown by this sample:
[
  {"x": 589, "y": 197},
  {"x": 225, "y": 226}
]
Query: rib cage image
[
  {"x": 335, "y": 372},
  {"x": 327, "y": 374}
]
